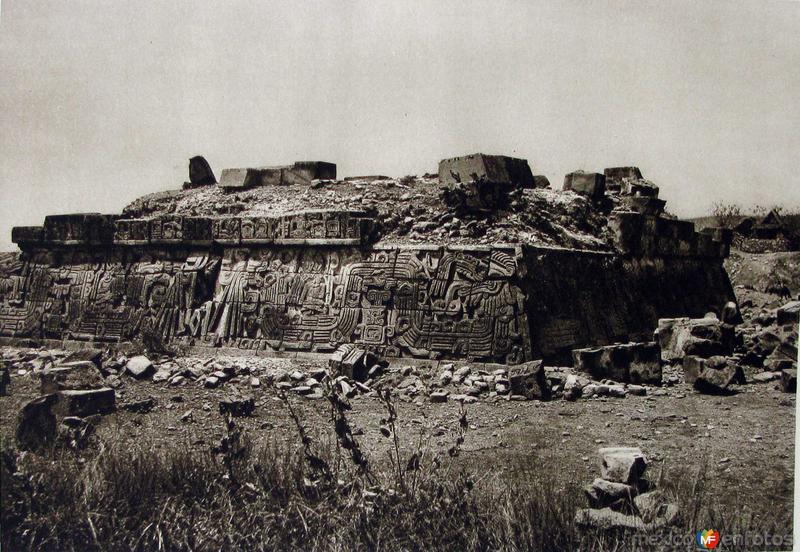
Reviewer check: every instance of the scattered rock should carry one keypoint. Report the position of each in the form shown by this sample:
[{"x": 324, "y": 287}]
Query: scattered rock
[
  {"x": 439, "y": 396},
  {"x": 139, "y": 367},
  {"x": 237, "y": 406},
  {"x": 622, "y": 464},
  {"x": 140, "y": 407},
  {"x": 529, "y": 380}
]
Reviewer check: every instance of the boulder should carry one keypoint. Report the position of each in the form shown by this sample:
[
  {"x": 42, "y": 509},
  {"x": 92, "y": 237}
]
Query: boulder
[
  {"x": 529, "y": 379},
  {"x": 789, "y": 380},
  {"x": 36, "y": 423},
  {"x": 622, "y": 464},
  {"x": 237, "y": 406},
  {"x": 200, "y": 173},
  {"x": 139, "y": 367},
  {"x": 81, "y": 374}
]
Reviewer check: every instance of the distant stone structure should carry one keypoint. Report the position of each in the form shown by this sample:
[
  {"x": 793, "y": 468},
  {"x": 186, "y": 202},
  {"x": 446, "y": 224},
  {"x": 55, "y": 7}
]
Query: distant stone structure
[
  {"x": 313, "y": 280},
  {"x": 769, "y": 233}
]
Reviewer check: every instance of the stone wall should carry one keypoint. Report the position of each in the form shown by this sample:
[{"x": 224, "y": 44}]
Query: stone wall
[
  {"x": 313, "y": 280},
  {"x": 402, "y": 302}
]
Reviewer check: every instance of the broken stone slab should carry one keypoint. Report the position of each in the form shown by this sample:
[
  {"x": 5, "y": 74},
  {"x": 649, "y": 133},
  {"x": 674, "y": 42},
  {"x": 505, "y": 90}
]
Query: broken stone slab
[
  {"x": 703, "y": 337},
  {"x": 789, "y": 380},
  {"x": 200, "y": 173},
  {"x": 529, "y": 379},
  {"x": 627, "y": 363},
  {"x": 140, "y": 407},
  {"x": 36, "y": 423},
  {"x": 602, "y": 493},
  {"x": 90, "y": 355},
  {"x": 765, "y": 377},
  {"x": 622, "y": 464},
  {"x": 495, "y": 169},
  {"x": 592, "y": 185},
  {"x": 715, "y": 379},
  {"x": 606, "y": 518},
  {"x": 693, "y": 367},
  {"x": 85, "y": 402},
  {"x": 616, "y": 176},
  {"x": 352, "y": 362},
  {"x": 139, "y": 367},
  {"x": 80, "y": 374},
  {"x": 237, "y": 406}
]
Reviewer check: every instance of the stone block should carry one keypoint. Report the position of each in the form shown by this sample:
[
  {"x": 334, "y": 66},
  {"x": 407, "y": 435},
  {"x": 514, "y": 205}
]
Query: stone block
[
  {"x": 601, "y": 494},
  {"x": 589, "y": 184},
  {"x": 639, "y": 188},
  {"x": 79, "y": 229},
  {"x": 622, "y": 464},
  {"x": 27, "y": 235},
  {"x": 300, "y": 173},
  {"x": 716, "y": 380},
  {"x": 529, "y": 380},
  {"x": 132, "y": 231},
  {"x": 239, "y": 179},
  {"x": 629, "y": 363},
  {"x": 789, "y": 313},
  {"x": 81, "y": 374},
  {"x": 306, "y": 171},
  {"x": 626, "y": 229},
  {"x": 644, "y": 205},
  {"x": 85, "y": 402},
  {"x": 703, "y": 337},
  {"x": 226, "y": 230},
  {"x": 352, "y": 362},
  {"x": 237, "y": 406},
  {"x": 616, "y": 176},
  {"x": 495, "y": 169}
]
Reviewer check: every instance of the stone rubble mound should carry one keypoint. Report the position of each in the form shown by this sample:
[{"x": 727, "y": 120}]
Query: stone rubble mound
[{"x": 621, "y": 498}]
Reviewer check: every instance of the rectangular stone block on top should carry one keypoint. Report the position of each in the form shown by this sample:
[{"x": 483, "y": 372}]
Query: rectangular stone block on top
[
  {"x": 131, "y": 231},
  {"x": 79, "y": 229},
  {"x": 226, "y": 230},
  {"x": 615, "y": 176},
  {"x": 27, "y": 235},
  {"x": 589, "y": 184},
  {"x": 301, "y": 173},
  {"x": 497, "y": 169}
]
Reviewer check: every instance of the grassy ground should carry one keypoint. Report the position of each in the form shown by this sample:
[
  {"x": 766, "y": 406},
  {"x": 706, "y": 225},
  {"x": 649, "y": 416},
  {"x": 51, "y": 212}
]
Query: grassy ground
[{"x": 322, "y": 478}]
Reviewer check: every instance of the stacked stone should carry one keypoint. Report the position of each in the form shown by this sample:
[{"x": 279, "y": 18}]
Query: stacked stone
[
  {"x": 704, "y": 347},
  {"x": 622, "y": 498}
]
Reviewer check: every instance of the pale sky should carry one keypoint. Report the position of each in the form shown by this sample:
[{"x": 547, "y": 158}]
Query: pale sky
[{"x": 101, "y": 102}]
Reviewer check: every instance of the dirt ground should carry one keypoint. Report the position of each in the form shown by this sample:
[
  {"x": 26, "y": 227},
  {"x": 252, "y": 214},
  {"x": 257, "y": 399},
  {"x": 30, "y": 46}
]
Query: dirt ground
[{"x": 746, "y": 440}]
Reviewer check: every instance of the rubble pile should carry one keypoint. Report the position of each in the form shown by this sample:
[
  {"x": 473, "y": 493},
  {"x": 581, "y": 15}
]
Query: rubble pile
[{"x": 621, "y": 498}]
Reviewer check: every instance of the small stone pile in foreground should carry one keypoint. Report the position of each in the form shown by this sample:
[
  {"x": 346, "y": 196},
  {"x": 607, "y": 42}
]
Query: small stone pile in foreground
[{"x": 621, "y": 498}]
